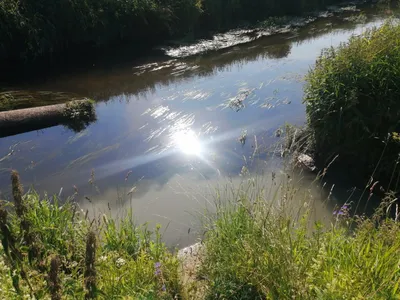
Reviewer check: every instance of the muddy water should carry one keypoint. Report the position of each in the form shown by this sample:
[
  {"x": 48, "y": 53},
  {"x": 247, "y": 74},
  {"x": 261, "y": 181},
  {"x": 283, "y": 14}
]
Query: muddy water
[{"x": 171, "y": 130}]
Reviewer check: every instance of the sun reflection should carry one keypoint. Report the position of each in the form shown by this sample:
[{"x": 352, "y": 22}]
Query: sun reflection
[{"x": 187, "y": 142}]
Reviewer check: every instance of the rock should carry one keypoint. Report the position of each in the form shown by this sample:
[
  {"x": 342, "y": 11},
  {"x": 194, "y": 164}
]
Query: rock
[
  {"x": 190, "y": 251},
  {"x": 306, "y": 161}
]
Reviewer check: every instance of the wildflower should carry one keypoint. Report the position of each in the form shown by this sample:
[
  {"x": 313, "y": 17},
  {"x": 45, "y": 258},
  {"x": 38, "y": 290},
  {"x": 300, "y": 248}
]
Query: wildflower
[
  {"x": 339, "y": 213},
  {"x": 163, "y": 288},
  {"x": 344, "y": 210},
  {"x": 157, "y": 266},
  {"x": 120, "y": 262}
]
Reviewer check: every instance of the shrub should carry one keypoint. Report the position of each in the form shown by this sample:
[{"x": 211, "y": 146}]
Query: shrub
[{"x": 352, "y": 101}]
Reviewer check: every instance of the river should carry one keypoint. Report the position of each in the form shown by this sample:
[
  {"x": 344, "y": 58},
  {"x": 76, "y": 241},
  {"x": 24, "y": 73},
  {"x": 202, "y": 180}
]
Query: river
[{"x": 168, "y": 128}]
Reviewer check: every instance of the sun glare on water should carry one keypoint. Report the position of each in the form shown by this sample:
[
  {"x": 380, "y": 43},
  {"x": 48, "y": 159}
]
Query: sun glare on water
[{"x": 187, "y": 142}]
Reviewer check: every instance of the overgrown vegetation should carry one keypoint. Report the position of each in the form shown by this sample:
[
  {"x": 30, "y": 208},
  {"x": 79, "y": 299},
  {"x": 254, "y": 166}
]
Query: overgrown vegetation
[
  {"x": 352, "y": 103},
  {"x": 255, "y": 247},
  {"x": 52, "y": 250},
  {"x": 31, "y": 28}
]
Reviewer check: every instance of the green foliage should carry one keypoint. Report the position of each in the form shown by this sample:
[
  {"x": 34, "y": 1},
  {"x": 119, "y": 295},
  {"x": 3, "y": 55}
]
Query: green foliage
[
  {"x": 41, "y": 28},
  {"x": 68, "y": 244},
  {"x": 254, "y": 251},
  {"x": 352, "y": 98},
  {"x": 79, "y": 114}
]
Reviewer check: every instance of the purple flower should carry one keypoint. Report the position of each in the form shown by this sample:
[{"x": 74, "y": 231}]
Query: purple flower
[
  {"x": 163, "y": 288},
  {"x": 342, "y": 211},
  {"x": 157, "y": 266}
]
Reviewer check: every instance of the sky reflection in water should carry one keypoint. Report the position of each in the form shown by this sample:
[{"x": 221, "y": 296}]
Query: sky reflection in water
[{"x": 170, "y": 131}]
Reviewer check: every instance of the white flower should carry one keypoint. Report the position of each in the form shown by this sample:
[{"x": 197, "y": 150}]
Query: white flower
[{"x": 120, "y": 262}]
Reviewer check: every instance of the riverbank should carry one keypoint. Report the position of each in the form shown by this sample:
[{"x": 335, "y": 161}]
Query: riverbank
[
  {"x": 256, "y": 244},
  {"x": 39, "y": 30},
  {"x": 253, "y": 248}
]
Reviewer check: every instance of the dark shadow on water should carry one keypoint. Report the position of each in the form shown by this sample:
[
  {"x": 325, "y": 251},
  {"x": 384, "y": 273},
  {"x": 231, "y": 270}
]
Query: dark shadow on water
[
  {"x": 117, "y": 74},
  {"x": 345, "y": 188}
]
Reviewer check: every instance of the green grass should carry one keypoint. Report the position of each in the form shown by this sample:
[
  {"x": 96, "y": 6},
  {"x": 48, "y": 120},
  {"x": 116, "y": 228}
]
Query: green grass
[
  {"x": 351, "y": 98},
  {"x": 124, "y": 255},
  {"x": 255, "y": 247}
]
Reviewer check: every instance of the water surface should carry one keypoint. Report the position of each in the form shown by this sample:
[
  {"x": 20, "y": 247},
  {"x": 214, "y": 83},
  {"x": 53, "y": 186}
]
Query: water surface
[{"x": 169, "y": 130}]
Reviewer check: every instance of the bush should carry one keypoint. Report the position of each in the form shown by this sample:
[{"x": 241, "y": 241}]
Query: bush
[{"x": 352, "y": 100}]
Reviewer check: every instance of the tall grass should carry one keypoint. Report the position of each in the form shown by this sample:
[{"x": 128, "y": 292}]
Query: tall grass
[
  {"x": 256, "y": 249},
  {"x": 79, "y": 258},
  {"x": 352, "y": 103}
]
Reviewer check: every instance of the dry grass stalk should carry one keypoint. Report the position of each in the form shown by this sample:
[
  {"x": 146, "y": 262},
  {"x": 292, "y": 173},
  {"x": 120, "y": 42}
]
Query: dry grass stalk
[
  {"x": 53, "y": 279},
  {"x": 90, "y": 269}
]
